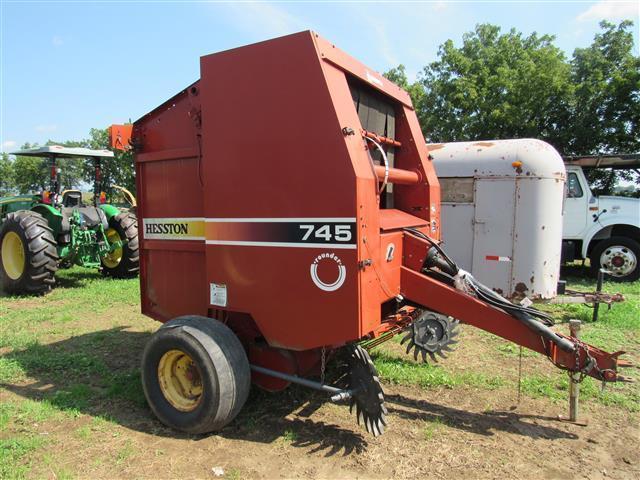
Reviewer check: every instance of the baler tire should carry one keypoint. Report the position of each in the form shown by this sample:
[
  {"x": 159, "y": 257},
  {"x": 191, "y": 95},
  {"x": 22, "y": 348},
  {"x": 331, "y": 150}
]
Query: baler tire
[
  {"x": 222, "y": 366},
  {"x": 34, "y": 237},
  {"x": 126, "y": 225}
]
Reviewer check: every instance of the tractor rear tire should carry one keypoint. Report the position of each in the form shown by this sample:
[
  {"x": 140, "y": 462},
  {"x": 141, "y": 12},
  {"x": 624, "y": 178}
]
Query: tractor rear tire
[
  {"x": 195, "y": 374},
  {"x": 29, "y": 254},
  {"x": 123, "y": 262}
]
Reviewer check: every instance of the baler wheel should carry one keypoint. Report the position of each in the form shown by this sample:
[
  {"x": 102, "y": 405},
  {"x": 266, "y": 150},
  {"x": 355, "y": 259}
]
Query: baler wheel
[
  {"x": 28, "y": 254},
  {"x": 368, "y": 396},
  {"x": 195, "y": 374},
  {"x": 122, "y": 262}
]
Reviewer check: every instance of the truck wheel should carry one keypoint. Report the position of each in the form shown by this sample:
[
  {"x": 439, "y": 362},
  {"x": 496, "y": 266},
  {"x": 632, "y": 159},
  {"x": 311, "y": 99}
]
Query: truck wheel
[
  {"x": 619, "y": 256},
  {"x": 195, "y": 374},
  {"x": 123, "y": 262},
  {"x": 29, "y": 254}
]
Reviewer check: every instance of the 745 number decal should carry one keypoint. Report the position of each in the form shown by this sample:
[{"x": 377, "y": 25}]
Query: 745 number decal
[{"x": 327, "y": 232}]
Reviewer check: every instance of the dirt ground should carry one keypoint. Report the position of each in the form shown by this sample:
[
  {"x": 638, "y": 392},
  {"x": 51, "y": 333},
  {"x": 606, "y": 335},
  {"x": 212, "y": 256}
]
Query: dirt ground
[
  {"x": 460, "y": 431},
  {"x": 475, "y": 434}
]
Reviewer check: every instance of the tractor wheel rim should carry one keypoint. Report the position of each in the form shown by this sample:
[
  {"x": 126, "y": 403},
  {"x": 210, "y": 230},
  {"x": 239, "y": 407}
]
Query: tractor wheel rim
[
  {"x": 113, "y": 259},
  {"x": 180, "y": 380},
  {"x": 13, "y": 257},
  {"x": 618, "y": 260}
]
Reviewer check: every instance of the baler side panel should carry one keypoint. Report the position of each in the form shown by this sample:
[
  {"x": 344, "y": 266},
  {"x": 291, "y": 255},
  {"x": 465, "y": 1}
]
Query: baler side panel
[
  {"x": 170, "y": 193},
  {"x": 273, "y": 152}
]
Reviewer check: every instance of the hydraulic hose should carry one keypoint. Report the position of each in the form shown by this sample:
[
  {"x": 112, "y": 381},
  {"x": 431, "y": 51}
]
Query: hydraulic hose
[{"x": 535, "y": 320}]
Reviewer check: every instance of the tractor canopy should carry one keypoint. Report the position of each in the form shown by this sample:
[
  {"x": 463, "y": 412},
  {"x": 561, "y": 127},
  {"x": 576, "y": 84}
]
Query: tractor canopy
[{"x": 64, "y": 152}]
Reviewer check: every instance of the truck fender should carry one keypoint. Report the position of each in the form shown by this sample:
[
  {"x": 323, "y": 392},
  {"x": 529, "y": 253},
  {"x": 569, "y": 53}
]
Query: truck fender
[{"x": 602, "y": 230}]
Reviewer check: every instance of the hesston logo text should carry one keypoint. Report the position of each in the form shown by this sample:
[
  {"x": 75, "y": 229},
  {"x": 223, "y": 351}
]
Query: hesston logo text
[{"x": 167, "y": 228}]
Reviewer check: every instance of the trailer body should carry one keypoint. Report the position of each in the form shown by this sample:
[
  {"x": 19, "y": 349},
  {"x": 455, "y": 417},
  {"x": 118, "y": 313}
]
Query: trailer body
[{"x": 502, "y": 212}]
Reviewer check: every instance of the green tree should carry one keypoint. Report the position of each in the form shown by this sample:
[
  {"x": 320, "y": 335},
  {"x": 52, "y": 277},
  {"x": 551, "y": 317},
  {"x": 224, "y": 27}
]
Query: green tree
[
  {"x": 6, "y": 174},
  {"x": 606, "y": 118},
  {"x": 117, "y": 171},
  {"x": 31, "y": 174},
  {"x": 415, "y": 90},
  {"x": 497, "y": 86}
]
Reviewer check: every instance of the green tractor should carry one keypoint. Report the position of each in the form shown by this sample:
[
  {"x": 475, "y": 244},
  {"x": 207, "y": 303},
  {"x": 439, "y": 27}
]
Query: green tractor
[{"x": 57, "y": 229}]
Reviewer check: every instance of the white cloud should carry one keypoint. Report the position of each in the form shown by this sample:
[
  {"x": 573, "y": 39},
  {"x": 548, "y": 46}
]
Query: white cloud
[
  {"x": 57, "y": 41},
  {"x": 440, "y": 6},
  {"x": 8, "y": 145},
  {"x": 610, "y": 10},
  {"x": 265, "y": 19},
  {"x": 46, "y": 128}
]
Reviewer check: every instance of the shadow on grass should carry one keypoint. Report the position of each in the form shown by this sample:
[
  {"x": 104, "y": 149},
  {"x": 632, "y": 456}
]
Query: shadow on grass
[
  {"x": 479, "y": 423},
  {"x": 76, "y": 277},
  {"x": 97, "y": 374}
]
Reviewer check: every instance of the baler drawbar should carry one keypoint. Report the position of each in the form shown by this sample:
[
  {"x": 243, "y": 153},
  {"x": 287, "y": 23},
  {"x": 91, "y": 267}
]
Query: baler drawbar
[{"x": 291, "y": 218}]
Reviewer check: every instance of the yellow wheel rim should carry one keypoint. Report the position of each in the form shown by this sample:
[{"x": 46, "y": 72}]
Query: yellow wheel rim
[
  {"x": 180, "y": 380},
  {"x": 13, "y": 258},
  {"x": 112, "y": 259}
]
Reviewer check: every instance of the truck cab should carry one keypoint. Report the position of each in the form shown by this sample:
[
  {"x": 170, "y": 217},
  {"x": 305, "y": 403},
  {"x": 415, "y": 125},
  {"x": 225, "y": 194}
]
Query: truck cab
[{"x": 604, "y": 229}]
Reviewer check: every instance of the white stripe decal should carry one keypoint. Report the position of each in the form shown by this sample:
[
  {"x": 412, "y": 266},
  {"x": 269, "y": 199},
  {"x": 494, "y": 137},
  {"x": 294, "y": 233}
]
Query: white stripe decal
[
  {"x": 282, "y": 244},
  {"x": 282, "y": 220}
]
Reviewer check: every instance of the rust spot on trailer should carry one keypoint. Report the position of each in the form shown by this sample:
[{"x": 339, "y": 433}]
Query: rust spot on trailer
[
  {"x": 483, "y": 144},
  {"x": 435, "y": 146},
  {"x": 521, "y": 288}
]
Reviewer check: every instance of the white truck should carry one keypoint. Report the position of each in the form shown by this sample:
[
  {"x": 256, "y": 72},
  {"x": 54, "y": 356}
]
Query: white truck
[{"x": 604, "y": 229}]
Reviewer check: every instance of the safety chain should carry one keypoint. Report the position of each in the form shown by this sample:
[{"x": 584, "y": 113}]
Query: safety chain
[
  {"x": 323, "y": 364},
  {"x": 589, "y": 365}
]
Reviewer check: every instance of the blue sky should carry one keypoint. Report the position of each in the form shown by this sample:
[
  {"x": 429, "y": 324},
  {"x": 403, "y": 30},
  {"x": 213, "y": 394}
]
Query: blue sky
[{"x": 69, "y": 66}]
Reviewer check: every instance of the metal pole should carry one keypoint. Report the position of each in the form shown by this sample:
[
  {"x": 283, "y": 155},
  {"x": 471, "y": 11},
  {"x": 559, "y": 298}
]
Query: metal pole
[
  {"x": 596, "y": 305},
  {"x": 574, "y": 386}
]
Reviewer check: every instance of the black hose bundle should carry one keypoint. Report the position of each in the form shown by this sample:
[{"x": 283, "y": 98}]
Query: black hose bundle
[{"x": 450, "y": 269}]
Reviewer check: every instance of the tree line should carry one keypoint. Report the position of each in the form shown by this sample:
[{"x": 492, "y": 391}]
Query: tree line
[
  {"x": 508, "y": 85},
  {"x": 494, "y": 86},
  {"x": 23, "y": 174}
]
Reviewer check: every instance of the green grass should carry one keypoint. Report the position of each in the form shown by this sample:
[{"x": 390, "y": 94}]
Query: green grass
[
  {"x": 432, "y": 428},
  {"x": 404, "y": 372},
  {"x": 14, "y": 456},
  {"x": 289, "y": 436},
  {"x": 53, "y": 340},
  {"x": 82, "y": 360}
]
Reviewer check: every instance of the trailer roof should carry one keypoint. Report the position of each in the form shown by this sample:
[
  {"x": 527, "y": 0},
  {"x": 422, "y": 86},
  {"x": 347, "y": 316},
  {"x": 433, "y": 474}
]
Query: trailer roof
[
  {"x": 631, "y": 160},
  {"x": 66, "y": 152}
]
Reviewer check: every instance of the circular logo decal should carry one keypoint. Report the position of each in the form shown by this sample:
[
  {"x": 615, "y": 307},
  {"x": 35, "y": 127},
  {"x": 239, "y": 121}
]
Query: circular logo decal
[{"x": 341, "y": 273}]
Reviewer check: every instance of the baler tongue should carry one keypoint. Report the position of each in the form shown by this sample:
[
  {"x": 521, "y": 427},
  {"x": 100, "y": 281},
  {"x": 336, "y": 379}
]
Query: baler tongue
[{"x": 430, "y": 279}]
